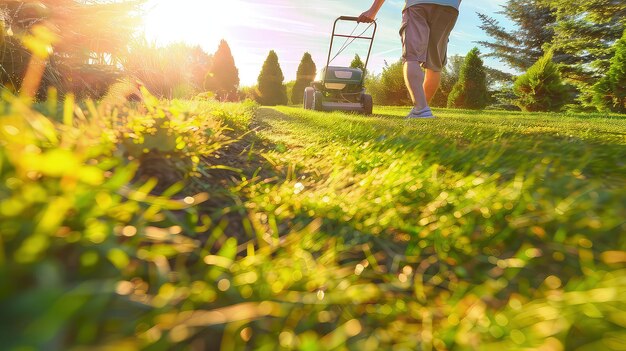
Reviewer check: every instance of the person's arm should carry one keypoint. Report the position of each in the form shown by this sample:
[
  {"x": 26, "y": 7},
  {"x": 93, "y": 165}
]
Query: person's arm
[{"x": 370, "y": 15}]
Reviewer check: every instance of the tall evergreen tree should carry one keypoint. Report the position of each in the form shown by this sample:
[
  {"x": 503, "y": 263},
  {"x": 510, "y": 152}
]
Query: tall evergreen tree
[
  {"x": 223, "y": 76},
  {"x": 450, "y": 75},
  {"x": 304, "y": 77},
  {"x": 541, "y": 87},
  {"x": 470, "y": 91},
  {"x": 610, "y": 91},
  {"x": 272, "y": 91},
  {"x": 522, "y": 47},
  {"x": 585, "y": 31}
]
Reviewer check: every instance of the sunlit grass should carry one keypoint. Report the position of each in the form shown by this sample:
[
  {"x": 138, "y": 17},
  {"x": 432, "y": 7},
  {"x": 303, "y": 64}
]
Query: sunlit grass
[{"x": 477, "y": 230}]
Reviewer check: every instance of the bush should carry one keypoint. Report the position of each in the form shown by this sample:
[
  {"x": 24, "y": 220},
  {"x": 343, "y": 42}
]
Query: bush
[
  {"x": 388, "y": 88},
  {"x": 249, "y": 93},
  {"x": 304, "y": 77},
  {"x": 541, "y": 87},
  {"x": 358, "y": 63},
  {"x": 610, "y": 91},
  {"x": 81, "y": 240},
  {"x": 470, "y": 91},
  {"x": 167, "y": 72},
  {"x": 272, "y": 91},
  {"x": 394, "y": 88}
]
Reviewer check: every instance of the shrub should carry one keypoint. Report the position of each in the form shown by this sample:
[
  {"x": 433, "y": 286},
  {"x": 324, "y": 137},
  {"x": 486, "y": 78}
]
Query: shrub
[
  {"x": 249, "y": 93},
  {"x": 358, "y": 63},
  {"x": 79, "y": 235},
  {"x": 470, "y": 91},
  {"x": 610, "y": 91},
  {"x": 272, "y": 91},
  {"x": 304, "y": 77},
  {"x": 167, "y": 72},
  {"x": 394, "y": 88},
  {"x": 541, "y": 87}
]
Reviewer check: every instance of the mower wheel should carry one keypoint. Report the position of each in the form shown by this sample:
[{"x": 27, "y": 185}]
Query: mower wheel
[
  {"x": 309, "y": 92},
  {"x": 317, "y": 101},
  {"x": 368, "y": 104}
]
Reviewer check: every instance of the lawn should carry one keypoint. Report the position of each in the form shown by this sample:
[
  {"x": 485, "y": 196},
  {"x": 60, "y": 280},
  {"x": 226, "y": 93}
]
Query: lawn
[{"x": 294, "y": 229}]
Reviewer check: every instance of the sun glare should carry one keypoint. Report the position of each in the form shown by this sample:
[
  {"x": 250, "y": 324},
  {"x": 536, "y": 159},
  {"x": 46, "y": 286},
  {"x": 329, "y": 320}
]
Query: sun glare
[{"x": 193, "y": 21}]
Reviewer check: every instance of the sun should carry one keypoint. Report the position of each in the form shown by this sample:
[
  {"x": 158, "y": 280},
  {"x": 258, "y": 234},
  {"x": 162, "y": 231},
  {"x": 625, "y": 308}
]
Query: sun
[{"x": 194, "y": 21}]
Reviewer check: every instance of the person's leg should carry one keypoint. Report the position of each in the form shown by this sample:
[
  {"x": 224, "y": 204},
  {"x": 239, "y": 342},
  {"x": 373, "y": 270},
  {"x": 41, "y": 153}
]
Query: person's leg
[
  {"x": 414, "y": 80},
  {"x": 431, "y": 83},
  {"x": 443, "y": 19},
  {"x": 415, "y": 33}
]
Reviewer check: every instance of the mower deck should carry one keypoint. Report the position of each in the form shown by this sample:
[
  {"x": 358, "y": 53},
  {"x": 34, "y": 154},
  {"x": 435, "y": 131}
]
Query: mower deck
[{"x": 340, "y": 88}]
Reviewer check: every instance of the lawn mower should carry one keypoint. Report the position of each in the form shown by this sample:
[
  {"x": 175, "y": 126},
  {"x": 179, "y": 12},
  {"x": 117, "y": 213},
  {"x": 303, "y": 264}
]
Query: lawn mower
[{"x": 341, "y": 88}]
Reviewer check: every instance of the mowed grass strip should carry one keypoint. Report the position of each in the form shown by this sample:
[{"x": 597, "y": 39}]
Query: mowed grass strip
[{"x": 488, "y": 209}]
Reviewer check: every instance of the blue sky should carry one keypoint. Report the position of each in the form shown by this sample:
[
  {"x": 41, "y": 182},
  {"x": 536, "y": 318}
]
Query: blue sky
[{"x": 291, "y": 27}]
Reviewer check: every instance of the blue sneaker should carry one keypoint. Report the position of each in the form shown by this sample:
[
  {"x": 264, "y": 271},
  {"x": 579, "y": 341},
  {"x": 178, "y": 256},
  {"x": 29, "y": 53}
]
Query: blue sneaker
[{"x": 423, "y": 113}]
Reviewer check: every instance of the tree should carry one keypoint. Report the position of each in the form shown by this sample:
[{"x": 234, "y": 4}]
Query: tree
[
  {"x": 522, "y": 47},
  {"x": 496, "y": 79},
  {"x": 304, "y": 76},
  {"x": 586, "y": 31},
  {"x": 610, "y": 91},
  {"x": 541, "y": 87},
  {"x": 358, "y": 63},
  {"x": 271, "y": 89},
  {"x": 471, "y": 89},
  {"x": 223, "y": 77}
]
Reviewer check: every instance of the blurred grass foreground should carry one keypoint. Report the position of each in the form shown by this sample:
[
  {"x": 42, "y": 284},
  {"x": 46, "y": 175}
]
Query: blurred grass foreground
[
  {"x": 122, "y": 229},
  {"x": 199, "y": 225}
]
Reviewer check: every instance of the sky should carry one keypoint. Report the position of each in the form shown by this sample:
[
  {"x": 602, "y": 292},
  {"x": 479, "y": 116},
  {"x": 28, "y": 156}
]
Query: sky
[{"x": 292, "y": 27}]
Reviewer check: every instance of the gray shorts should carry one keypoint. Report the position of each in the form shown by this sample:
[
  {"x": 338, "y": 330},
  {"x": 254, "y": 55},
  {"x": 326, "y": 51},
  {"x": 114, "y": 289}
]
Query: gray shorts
[{"x": 425, "y": 30}]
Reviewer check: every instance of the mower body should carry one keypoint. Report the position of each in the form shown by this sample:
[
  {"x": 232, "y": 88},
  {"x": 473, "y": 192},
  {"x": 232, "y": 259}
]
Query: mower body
[{"x": 340, "y": 88}]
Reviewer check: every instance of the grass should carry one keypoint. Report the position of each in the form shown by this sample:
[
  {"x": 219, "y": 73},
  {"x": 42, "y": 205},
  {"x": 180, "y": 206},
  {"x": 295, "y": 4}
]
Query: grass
[
  {"x": 474, "y": 210},
  {"x": 293, "y": 229}
]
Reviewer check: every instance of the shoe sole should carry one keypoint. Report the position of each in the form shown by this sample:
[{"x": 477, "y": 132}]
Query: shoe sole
[{"x": 420, "y": 117}]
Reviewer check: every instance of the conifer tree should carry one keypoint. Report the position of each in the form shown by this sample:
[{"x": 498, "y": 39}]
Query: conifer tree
[
  {"x": 541, "y": 87},
  {"x": 586, "y": 31},
  {"x": 521, "y": 47},
  {"x": 223, "y": 76},
  {"x": 272, "y": 91},
  {"x": 610, "y": 91},
  {"x": 304, "y": 77},
  {"x": 470, "y": 91}
]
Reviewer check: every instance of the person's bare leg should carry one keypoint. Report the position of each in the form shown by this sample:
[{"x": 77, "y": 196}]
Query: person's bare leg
[
  {"x": 431, "y": 84},
  {"x": 414, "y": 79}
]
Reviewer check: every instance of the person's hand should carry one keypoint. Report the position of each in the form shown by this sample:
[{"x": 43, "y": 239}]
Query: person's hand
[{"x": 367, "y": 17}]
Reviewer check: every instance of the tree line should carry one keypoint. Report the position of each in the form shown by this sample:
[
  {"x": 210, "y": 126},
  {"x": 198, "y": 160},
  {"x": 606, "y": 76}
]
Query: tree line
[{"x": 568, "y": 54}]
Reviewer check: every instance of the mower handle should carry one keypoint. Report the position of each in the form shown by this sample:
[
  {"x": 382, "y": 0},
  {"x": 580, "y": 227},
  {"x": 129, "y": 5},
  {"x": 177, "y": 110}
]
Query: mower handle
[
  {"x": 353, "y": 37},
  {"x": 348, "y": 18}
]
